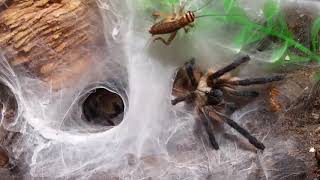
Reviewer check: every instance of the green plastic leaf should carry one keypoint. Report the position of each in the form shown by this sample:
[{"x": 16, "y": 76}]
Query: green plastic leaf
[
  {"x": 229, "y": 5},
  {"x": 242, "y": 37},
  {"x": 171, "y": 1},
  {"x": 315, "y": 35},
  {"x": 233, "y": 11},
  {"x": 282, "y": 26},
  {"x": 247, "y": 36},
  {"x": 279, "y": 53},
  {"x": 270, "y": 9},
  {"x": 275, "y": 26}
]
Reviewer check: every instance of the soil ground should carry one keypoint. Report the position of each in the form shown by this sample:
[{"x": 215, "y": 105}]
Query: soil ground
[{"x": 301, "y": 118}]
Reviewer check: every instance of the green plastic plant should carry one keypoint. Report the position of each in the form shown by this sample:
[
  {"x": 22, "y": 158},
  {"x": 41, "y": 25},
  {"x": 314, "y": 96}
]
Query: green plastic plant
[
  {"x": 315, "y": 35},
  {"x": 315, "y": 41},
  {"x": 275, "y": 25}
]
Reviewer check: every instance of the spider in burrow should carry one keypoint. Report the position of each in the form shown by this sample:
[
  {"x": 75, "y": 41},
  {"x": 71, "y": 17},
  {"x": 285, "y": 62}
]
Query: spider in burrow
[{"x": 208, "y": 93}]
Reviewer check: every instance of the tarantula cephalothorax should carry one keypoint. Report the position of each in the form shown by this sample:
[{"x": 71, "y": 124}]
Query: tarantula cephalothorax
[{"x": 208, "y": 93}]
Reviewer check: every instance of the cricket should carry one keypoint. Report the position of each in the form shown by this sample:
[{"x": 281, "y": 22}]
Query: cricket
[{"x": 172, "y": 23}]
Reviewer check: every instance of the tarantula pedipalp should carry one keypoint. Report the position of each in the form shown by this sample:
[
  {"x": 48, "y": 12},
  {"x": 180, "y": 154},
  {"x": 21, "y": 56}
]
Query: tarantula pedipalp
[{"x": 208, "y": 92}]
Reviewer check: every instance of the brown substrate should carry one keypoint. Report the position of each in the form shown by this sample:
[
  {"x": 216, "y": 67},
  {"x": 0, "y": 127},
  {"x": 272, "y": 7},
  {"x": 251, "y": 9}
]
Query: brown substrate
[
  {"x": 299, "y": 119},
  {"x": 302, "y": 122}
]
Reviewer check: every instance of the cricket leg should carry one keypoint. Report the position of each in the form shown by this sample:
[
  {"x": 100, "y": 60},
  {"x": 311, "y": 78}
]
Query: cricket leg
[
  {"x": 157, "y": 15},
  {"x": 162, "y": 15},
  {"x": 181, "y": 8},
  {"x": 173, "y": 11},
  {"x": 168, "y": 42},
  {"x": 186, "y": 30}
]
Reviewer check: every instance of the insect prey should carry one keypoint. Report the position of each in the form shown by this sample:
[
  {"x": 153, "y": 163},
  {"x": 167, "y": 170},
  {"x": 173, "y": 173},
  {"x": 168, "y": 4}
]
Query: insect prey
[{"x": 172, "y": 23}]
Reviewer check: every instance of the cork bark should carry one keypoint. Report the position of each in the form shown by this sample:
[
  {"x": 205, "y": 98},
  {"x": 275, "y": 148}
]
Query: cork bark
[{"x": 49, "y": 39}]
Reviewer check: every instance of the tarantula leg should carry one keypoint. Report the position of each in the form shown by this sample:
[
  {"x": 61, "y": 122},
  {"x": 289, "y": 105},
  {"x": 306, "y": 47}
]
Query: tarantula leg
[
  {"x": 246, "y": 93},
  {"x": 242, "y": 93},
  {"x": 242, "y": 131},
  {"x": 230, "y": 67},
  {"x": 209, "y": 129},
  {"x": 263, "y": 80},
  {"x": 186, "y": 97},
  {"x": 189, "y": 67}
]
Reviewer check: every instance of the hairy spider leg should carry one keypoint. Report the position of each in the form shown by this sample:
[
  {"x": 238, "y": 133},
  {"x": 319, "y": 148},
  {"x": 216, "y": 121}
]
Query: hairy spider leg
[
  {"x": 262, "y": 80},
  {"x": 230, "y": 67},
  {"x": 241, "y": 130},
  {"x": 207, "y": 123},
  {"x": 189, "y": 67},
  {"x": 234, "y": 92},
  {"x": 186, "y": 97},
  {"x": 246, "y": 93}
]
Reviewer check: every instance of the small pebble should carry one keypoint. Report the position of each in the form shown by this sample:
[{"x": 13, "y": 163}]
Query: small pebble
[
  {"x": 315, "y": 116},
  {"x": 312, "y": 150},
  {"x": 287, "y": 58}
]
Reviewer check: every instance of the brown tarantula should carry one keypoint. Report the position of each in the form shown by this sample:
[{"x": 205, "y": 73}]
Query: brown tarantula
[{"x": 208, "y": 93}]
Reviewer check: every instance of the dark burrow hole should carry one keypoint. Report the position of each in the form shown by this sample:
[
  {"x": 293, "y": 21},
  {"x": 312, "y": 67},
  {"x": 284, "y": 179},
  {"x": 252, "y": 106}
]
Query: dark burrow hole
[
  {"x": 103, "y": 108},
  {"x": 8, "y": 106},
  {"x": 8, "y": 118}
]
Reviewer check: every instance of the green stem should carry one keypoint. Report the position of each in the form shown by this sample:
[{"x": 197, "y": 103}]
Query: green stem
[
  {"x": 315, "y": 35},
  {"x": 244, "y": 21},
  {"x": 291, "y": 41}
]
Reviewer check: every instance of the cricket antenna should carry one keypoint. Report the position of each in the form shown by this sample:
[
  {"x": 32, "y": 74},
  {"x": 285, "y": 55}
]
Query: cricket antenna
[
  {"x": 214, "y": 15},
  {"x": 203, "y": 6}
]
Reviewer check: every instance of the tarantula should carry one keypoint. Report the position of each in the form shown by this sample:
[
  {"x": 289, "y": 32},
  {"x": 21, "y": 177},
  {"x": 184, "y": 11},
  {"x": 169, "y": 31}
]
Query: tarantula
[{"x": 208, "y": 92}]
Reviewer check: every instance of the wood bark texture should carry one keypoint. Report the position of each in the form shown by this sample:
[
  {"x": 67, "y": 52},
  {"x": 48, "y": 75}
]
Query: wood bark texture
[{"x": 50, "y": 38}]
